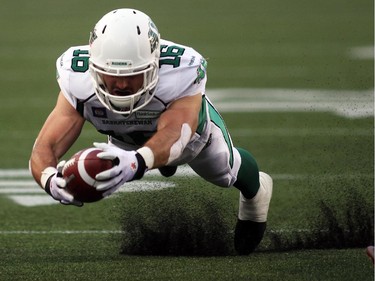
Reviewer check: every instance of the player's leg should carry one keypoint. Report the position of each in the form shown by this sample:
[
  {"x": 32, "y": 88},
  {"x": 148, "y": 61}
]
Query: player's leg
[
  {"x": 255, "y": 196},
  {"x": 218, "y": 162},
  {"x": 222, "y": 164},
  {"x": 257, "y": 187},
  {"x": 248, "y": 175}
]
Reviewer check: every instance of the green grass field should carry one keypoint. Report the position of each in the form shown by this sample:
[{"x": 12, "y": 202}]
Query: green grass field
[{"x": 297, "y": 78}]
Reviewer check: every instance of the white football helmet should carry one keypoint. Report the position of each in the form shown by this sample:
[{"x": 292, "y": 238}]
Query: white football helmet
[{"x": 125, "y": 42}]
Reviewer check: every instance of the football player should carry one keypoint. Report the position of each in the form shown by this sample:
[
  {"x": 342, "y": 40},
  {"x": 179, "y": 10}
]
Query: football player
[{"x": 148, "y": 95}]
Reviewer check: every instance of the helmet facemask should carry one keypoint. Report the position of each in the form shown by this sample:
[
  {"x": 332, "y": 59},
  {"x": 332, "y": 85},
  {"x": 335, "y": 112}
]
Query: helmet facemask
[{"x": 130, "y": 103}]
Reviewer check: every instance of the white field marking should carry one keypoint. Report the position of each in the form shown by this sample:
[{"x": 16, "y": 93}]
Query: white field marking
[
  {"x": 21, "y": 190},
  {"x": 38, "y": 232},
  {"x": 28, "y": 198},
  {"x": 28, "y": 186},
  {"x": 363, "y": 53},
  {"x": 300, "y": 132},
  {"x": 14, "y": 173},
  {"x": 24, "y": 173},
  {"x": 33, "y": 200},
  {"x": 351, "y": 104},
  {"x": 145, "y": 186},
  {"x": 18, "y": 183}
]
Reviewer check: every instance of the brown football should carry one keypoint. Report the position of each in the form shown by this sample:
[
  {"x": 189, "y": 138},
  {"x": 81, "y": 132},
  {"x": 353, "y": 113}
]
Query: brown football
[{"x": 80, "y": 171}]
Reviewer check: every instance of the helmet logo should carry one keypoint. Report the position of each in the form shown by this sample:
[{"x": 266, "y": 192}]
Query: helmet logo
[
  {"x": 201, "y": 71},
  {"x": 93, "y": 37},
  {"x": 153, "y": 36}
]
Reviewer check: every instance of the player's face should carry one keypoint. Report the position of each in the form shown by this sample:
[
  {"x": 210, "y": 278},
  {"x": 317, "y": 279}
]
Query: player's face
[{"x": 123, "y": 86}]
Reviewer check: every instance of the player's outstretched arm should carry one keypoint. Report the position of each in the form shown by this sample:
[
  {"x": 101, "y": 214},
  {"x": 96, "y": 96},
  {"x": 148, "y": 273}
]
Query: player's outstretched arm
[{"x": 59, "y": 132}]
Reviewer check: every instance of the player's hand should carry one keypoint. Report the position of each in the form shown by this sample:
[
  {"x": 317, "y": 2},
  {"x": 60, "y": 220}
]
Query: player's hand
[
  {"x": 129, "y": 166},
  {"x": 57, "y": 189}
]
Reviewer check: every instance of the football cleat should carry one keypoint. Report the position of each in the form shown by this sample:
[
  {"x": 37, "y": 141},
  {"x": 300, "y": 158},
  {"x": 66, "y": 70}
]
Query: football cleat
[
  {"x": 167, "y": 171},
  {"x": 248, "y": 235},
  {"x": 252, "y": 217}
]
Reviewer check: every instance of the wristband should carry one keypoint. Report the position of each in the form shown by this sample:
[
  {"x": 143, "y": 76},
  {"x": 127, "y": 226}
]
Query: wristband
[
  {"x": 47, "y": 187},
  {"x": 45, "y": 178},
  {"x": 141, "y": 169},
  {"x": 148, "y": 156}
]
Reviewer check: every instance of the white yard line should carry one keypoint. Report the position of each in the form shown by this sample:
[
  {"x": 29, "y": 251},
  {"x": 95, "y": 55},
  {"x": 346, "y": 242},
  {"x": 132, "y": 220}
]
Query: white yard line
[
  {"x": 301, "y": 132},
  {"x": 38, "y": 232},
  {"x": 363, "y": 53},
  {"x": 14, "y": 173},
  {"x": 351, "y": 104},
  {"x": 27, "y": 184}
]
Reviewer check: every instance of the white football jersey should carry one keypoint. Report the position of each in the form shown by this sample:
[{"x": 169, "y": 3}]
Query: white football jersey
[{"x": 182, "y": 73}]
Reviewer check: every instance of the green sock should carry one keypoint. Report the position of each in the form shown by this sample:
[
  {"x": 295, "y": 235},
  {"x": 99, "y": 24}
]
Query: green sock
[{"x": 248, "y": 175}]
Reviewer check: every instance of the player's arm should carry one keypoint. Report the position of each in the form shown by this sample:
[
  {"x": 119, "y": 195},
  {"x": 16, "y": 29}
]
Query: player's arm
[
  {"x": 175, "y": 128},
  {"x": 59, "y": 132}
]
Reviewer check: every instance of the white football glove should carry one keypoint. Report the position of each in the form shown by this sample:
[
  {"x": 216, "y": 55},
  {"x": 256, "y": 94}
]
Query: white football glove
[
  {"x": 55, "y": 186},
  {"x": 129, "y": 165}
]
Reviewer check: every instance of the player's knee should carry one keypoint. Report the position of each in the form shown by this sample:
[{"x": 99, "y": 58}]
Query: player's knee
[
  {"x": 220, "y": 177},
  {"x": 221, "y": 180}
]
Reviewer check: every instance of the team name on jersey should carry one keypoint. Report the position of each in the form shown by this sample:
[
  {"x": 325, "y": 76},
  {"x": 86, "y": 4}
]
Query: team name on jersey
[{"x": 126, "y": 122}]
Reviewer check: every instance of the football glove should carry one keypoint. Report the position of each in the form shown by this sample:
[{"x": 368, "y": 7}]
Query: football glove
[
  {"x": 55, "y": 186},
  {"x": 129, "y": 165}
]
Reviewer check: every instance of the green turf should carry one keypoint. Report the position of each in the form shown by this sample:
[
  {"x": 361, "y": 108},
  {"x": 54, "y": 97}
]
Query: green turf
[
  {"x": 92, "y": 256},
  {"x": 249, "y": 44}
]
